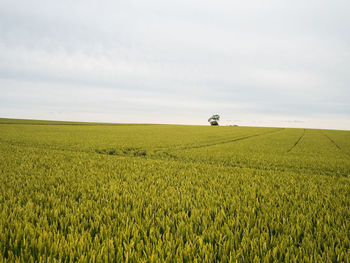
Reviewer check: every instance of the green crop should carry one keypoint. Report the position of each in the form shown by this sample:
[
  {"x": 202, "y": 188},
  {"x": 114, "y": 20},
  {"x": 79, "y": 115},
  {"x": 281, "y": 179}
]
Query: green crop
[{"x": 87, "y": 192}]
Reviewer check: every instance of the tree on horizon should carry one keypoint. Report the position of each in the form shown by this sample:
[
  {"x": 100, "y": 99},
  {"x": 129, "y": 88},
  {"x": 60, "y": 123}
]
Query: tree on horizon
[{"x": 213, "y": 120}]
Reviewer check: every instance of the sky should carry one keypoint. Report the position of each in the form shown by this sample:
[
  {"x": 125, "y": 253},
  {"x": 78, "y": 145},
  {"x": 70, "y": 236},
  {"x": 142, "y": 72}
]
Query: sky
[{"x": 255, "y": 63}]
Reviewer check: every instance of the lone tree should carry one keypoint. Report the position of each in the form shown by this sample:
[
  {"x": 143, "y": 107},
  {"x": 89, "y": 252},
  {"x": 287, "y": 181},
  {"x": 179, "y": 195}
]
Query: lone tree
[{"x": 213, "y": 120}]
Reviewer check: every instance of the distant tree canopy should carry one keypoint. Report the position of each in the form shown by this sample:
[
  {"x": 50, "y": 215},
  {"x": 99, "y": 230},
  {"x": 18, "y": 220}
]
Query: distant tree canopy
[{"x": 213, "y": 120}]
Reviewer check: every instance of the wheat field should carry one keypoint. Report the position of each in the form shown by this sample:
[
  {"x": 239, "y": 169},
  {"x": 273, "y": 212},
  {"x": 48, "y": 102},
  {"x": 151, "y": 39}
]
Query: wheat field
[{"x": 89, "y": 192}]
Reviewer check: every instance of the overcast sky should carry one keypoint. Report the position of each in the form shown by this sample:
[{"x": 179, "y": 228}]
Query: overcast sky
[{"x": 260, "y": 63}]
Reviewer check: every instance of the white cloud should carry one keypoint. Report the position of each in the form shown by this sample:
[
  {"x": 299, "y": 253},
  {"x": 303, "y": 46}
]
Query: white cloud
[{"x": 285, "y": 60}]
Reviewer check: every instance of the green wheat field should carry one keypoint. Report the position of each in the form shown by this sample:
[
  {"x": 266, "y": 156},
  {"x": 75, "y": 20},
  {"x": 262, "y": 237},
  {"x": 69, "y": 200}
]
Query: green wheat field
[{"x": 89, "y": 192}]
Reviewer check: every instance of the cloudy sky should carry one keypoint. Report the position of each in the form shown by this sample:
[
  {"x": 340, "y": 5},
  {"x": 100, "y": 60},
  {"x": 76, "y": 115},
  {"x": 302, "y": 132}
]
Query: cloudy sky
[{"x": 259, "y": 63}]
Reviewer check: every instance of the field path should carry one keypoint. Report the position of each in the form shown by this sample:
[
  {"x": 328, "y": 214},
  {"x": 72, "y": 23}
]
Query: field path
[
  {"x": 335, "y": 144},
  {"x": 332, "y": 141},
  {"x": 297, "y": 141},
  {"x": 229, "y": 141}
]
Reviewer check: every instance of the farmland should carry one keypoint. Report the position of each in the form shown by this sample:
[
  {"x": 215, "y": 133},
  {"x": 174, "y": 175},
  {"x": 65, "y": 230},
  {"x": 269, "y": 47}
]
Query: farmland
[{"x": 93, "y": 192}]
